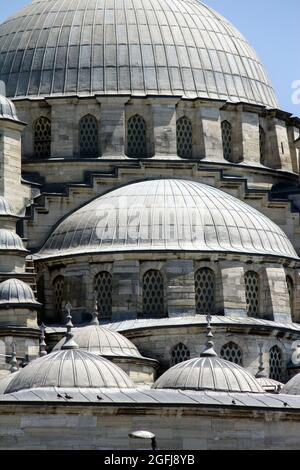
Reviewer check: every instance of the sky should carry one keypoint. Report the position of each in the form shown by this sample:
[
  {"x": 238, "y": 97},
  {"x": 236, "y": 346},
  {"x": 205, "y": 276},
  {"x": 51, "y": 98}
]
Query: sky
[{"x": 271, "y": 27}]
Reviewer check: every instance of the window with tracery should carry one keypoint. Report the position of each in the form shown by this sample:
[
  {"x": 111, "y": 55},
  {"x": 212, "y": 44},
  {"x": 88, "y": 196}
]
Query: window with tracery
[
  {"x": 184, "y": 131},
  {"x": 179, "y": 353},
  {"x": 262, "y": 145},
  {"x": 88, "y": 136},
  {"x": 227, "y": 140},
  {"x": 42, "y": 137},
  {"x": 232, "y": 352},
  {"x": 137, "y": 137},
  {"x": 153, "y": 295},
  {"x": 290, "y": 287},
  {"x": 58, "y": 290},
  {"x": 276, "y": 364},
  {"x": 252, "y": 287},
  {"x": 103, "y": 294},
  {"x": 205, "y": 290}
]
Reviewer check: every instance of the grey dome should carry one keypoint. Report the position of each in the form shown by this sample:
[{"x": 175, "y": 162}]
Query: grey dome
[
  {"x": 70, "y": 369},
  {"x": 4, "y": 383},
  {"x": 6, "y": 209},
  {"x": 103, "y": 342},
  {"x": 9, "y": 240},
  {"x": 16, "y": 292},
  {"x": 269, "y": 385},
  {"x": 7, "y": 109},
  {"x": 208, "y": 373},
  {"x": 137, "y": 47},
  {"x": 167, "y": 215},
  {"x": 292, "y": 387}
]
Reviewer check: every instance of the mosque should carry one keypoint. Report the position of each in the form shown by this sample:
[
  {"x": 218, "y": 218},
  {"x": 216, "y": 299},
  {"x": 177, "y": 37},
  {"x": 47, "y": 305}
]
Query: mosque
[{"x": 149, "y": 232}]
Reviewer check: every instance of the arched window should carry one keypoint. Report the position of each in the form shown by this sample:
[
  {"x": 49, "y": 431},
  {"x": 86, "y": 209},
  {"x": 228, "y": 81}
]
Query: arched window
[
  {"x": 58, "y": 291},
  {"x": 290, "y": 287},
  {"x": 184, "y": 131},
  {"x": 103, "y": 294},
  {"x": 227, "y": 140},
  {"x": 205, "y": 290},
  {"x": 276, "y": 364},
  {"x": 153, "y": 295},
  {"x": 252, "y": 287},
  {"x": 262, "y": 145},
  {"x": 42, "y": 137},
  {"x": 88, "y": 136},
  {"x": 179, "y": 353},
  {"x": 232, "y": 352},
  {"x": 137, "y": 137}
]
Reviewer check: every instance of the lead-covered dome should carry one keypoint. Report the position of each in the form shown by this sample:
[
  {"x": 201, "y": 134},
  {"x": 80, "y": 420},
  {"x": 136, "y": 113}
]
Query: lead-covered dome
[
  {"x": 7, "y": 109},
  {"x": 167, "y": 215},
  {"x": 138, "y": 47},
  {"x": 9, "y": 240},
  {"x": 6, "y": 209},
  {"x": 15, "y": 292}
]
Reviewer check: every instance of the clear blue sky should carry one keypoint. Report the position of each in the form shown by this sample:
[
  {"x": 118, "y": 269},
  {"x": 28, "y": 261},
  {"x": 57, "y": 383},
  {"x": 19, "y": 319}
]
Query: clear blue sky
[{"x": 271, "y": 26}]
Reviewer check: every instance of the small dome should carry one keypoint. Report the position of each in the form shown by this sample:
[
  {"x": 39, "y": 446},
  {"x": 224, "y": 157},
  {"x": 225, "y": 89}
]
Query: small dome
[
  {"x": 70, "y": 369},
  {"x": 103, "y": 342},
  {"x": 292, "y": 387},
  {"x": 269, "y": 385},
  {"x": 9, "y": 240},
  {"x": 4, "y": 383},
  {"x": 6, "y": 209},
  {"x": 7, "y": 109},
  {"x": 209, "y": 373},
  {"x": 169, "y": 215},
  {"x": 16, "y": 292}
]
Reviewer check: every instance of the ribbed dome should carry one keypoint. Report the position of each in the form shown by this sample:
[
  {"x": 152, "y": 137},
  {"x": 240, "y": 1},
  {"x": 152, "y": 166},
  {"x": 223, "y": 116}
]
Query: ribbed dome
[
  {"x": 16, "y": 292},
  {"x": 167, "y": 215},
  {"x": 4, "y": 383},
  {"x": 70, "y": 369},
  {"x": 7, "y": 109},
  {"x": 103, "y": 342},
  {"x": 9, "y": 240},
  {"x": 292, "y": 387},
  {"x": 269, "y": 385},
  {"x": 6, "y": 209},
  {"x": 209, "y": 373},
  {"x": 139, "y": 47}
]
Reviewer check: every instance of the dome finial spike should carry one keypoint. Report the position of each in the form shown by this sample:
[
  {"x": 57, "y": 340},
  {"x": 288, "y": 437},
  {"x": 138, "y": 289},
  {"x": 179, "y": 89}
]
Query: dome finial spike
[
  {"x": 261, "y": 374},
  {"x": 209, "y": 350},
  {"x": 13, "y": 362},
  {"x": 43, "y": 344},
  {"x": 69, "y": 343},
  {"x": 95, "y": 318}
]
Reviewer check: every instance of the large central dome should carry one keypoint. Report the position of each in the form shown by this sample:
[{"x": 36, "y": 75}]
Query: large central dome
[
  {"x": 136, "y": 47},
  {"x": 167, "y": 215}
]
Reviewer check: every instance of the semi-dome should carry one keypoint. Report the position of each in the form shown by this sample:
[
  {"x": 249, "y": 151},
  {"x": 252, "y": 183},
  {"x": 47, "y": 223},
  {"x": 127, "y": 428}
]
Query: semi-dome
[
  {"x": 7, "y": 109},
  {"x": 171, "y": 47},
  {"x": 16, "y": 292},
  {"x": 9, "y": 240},
  {"x": 167, "y": 215},
  {"x": 70, "y": 369},
  {"x": 292, "y": 387}
]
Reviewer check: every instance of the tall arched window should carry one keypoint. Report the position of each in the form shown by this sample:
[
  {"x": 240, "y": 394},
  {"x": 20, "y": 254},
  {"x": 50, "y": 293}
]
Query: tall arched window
[
  {"x": 179, "y": 353},
  {"x": 290, "y": 287},
  {"x": 232, "y": 352},
  {"x": 88, "y": 136},
  {"x": 262, "y": 145},
  {"x": 184, "y": 131},
  {"x": 103, "y": 294},
  {"x": 276, "y": 364},
  {"x": 137, "y": 137},
  {"x": 42, "y": 137},
  {"x": 252, "y": 287},
  {"x": 58, "y": 291},
  {"x": 153, "y": 295},
  {"x": 205, "y": 290},
  {"x": 227, "y": 140}
]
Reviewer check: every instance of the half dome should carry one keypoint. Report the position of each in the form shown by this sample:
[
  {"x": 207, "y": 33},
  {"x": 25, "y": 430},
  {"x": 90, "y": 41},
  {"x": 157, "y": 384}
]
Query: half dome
[
  {"x": 70, "y": 369},
  {"x": 209, "y": 373},
  {"x": 130, "y": 47},
  {"x": 16, "y": 292},
  {"x": 167, "y": 215}
]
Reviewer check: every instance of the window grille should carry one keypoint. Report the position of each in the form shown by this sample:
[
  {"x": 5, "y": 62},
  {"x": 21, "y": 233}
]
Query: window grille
[
  {"x": 276, "y": 364},
  {"x": 227, "y": 140},
  {"x": 136, "y": 137},
  {"x": 252, "y": 293},
  {"x": 290, "y": 287},
  {"x": 179, "y": 353},
  {"x": 262, "y": 145},
  {"x": 205, "y": 291},
  {"x": 42, "y": 138},
  {"x": 103, "y": 294},
  {"x": 58, "y": 289},
  {"x": 153, "y": 295},
  {"x": 88, "y": 134},
  {"x": 232, "y": 352},
  {"x": 184, "y": 132}
]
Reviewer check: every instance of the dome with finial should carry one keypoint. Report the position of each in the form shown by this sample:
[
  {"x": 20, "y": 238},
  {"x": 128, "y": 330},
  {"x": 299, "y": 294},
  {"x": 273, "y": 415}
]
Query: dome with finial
[
  {"x": 210, "y": 373},
  {"x": 102, "y": 341},
  {"x": 14, "y": 292},
  {"x": 70, "y": 368}
]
